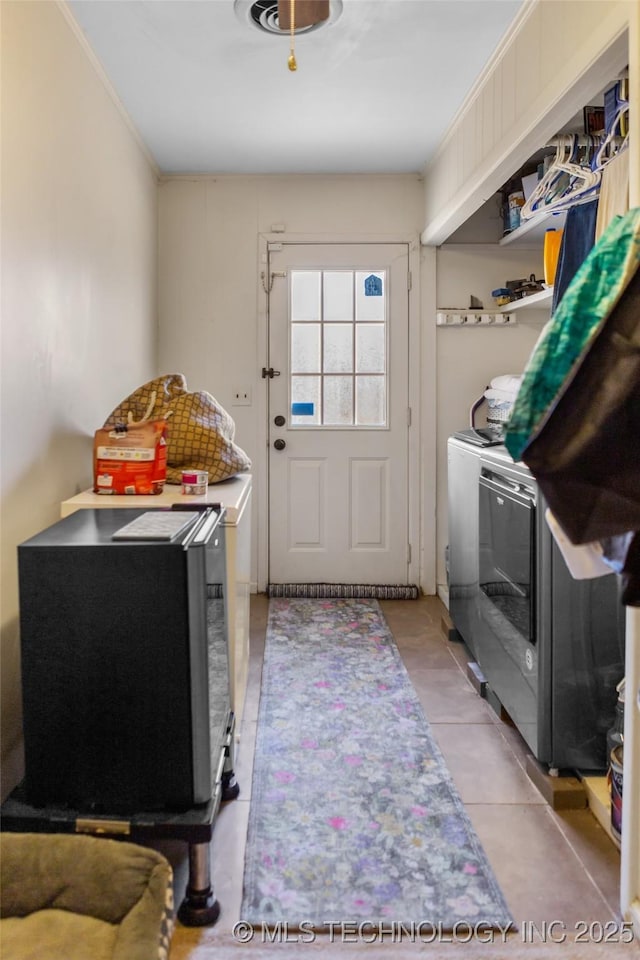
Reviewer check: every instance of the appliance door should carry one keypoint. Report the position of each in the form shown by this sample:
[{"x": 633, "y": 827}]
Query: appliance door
[
  {"x": 587, "y": 661},
  {"x": 462, "y": 490},
  {"x": 209, "y": 654},
  {"x": 124, "y": 663},
  {"x": 506, "y": 646},
  {"x": 114, "y": 646}
]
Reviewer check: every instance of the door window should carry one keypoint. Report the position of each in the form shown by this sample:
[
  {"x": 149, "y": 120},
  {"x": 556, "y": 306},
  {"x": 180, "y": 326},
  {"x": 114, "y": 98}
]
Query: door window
[{"x": 338, "y": 348}]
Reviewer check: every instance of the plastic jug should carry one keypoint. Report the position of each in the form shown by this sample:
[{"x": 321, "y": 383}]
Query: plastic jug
[{"x": 552, "y": 240}]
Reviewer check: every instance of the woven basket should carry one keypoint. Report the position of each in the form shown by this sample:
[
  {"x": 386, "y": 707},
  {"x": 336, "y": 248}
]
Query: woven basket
[{"x": 498, "y": 411}]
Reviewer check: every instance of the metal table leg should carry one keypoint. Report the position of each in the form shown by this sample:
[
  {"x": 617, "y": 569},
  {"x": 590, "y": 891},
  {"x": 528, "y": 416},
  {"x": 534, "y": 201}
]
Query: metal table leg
[{"x": 199, "y": 907}]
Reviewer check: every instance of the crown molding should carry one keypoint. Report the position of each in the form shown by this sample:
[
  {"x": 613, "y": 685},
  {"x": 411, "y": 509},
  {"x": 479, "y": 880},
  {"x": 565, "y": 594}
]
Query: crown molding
[{"x": 106, "y": 83}]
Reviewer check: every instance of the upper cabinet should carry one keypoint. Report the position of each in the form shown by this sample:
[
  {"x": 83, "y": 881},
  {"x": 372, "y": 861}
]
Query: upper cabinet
[{"x": 555, "y": 59}]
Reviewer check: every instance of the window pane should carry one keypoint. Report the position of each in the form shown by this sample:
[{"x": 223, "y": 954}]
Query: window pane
[
  {"x": 338, "y": 295},
  {"x": 370, "y": 307},
  {"x": 305, "y": 348},
  {"x": 370, "y": 348},
  {"x": 370, "y": 401},
  {"x": 338, "y": 400},
  {"x": 305, "y": 390},
  {"x": 305, "y": 295},
  {"x": 338, "y": 347}
]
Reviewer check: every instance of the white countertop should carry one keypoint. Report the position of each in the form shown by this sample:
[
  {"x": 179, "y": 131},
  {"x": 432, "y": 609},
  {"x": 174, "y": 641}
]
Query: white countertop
[{"x": 232, "y": 494}]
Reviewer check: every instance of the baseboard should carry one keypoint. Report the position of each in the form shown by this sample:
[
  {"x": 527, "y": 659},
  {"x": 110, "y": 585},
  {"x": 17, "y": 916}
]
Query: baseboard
[
  {"x": 443, "y": 592},
  {"x": 446, "y": 624}
]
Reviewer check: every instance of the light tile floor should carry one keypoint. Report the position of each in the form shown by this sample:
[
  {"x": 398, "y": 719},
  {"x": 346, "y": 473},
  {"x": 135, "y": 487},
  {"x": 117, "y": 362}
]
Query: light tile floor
[{"x": 552, "y": 866}]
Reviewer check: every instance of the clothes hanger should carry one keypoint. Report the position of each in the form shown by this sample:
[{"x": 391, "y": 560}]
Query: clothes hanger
[
  {"x": 585, "y": 171},
  {"x": 616, "y": 138},
  {"x": 551, "y": 181},
  {"x": 567, "y": 181},
  {"x": 584, "y": 183}
]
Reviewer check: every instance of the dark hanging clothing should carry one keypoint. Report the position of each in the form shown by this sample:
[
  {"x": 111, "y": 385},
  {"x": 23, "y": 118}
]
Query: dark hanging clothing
[{"x": 578, "y": 238}]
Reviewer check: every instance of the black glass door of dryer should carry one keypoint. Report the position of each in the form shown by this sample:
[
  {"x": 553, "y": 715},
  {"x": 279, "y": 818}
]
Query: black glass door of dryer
[
  {"x": 587, "y": 662},
  {"x": 507, "y": 569},
  {"x": 507, "y": 638}
]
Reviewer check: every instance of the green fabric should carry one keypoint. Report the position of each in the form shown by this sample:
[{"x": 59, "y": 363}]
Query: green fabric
[
  {"x": 121, "y": 887},
  {"x": 57, "y": 935},
  {"x": 587, "y": 302}
]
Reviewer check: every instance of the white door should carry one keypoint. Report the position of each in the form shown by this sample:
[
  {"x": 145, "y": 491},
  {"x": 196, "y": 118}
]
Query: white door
[{"x": 338, "y": 413}]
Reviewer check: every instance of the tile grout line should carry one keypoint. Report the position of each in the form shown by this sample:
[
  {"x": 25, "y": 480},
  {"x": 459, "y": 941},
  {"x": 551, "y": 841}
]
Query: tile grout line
[{"x": 570, "y": 844}]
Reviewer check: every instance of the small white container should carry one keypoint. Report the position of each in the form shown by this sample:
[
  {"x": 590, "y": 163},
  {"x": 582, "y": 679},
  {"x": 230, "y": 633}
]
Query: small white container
[
  {"x": 195, "y": 482},
  {"x": 529, "y": 184}
]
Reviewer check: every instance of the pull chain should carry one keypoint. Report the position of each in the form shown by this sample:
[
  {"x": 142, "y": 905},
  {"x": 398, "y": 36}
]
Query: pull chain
[{"x": 291, "y": 62}]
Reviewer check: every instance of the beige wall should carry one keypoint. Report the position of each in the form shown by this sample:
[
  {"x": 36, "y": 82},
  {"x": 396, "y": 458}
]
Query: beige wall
[
  {"x": 467, "y": 359},
  {"x": 209, "y": 297},
  {"x": 211, "y": 305},
  {"x": 80, "y": 214},
  {"x": 79, "y": 329},
  {"x": 213, "y": 325}
]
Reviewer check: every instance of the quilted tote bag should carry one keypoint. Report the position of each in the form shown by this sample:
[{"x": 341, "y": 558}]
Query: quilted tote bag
[
  {"x": 586, "y": 455},
  {"x": 200, "y": 432},
  {"x": 568, "y": 336}
]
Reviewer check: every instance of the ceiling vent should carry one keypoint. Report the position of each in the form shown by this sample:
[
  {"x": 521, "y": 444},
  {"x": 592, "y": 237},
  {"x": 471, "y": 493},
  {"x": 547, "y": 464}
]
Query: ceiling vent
[{"x": 263, "y": 15}]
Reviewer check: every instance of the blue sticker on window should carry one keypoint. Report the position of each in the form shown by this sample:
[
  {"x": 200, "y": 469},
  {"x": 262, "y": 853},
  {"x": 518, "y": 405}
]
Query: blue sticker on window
[
  {"x": 373, "y": 286},
  {"x": 302, "y": 409}
]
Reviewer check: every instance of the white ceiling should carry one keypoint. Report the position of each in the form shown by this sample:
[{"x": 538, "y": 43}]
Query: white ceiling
[{"x": 374, "y": 92}]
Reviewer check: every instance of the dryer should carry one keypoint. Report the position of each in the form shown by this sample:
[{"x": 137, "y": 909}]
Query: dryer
[
  {"x": 463, "y": 470},
  {"x": 551, "y": 647}
]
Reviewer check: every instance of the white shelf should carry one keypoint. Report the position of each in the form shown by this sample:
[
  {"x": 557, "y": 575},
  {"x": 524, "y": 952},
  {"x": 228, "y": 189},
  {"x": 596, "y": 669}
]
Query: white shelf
[
  {"x": 533, "y": 231},
  {"x": 535, "y": 301}
]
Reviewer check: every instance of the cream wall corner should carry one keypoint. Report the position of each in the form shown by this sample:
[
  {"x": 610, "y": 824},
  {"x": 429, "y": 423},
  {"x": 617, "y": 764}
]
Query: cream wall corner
[
  {"x": 212, "y": 307},
  {"x": 79, "y": 251}
]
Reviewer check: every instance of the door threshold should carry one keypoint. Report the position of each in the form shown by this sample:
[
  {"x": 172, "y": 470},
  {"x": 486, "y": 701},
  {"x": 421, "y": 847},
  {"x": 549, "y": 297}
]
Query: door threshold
[{"x": 356, "y": 591}]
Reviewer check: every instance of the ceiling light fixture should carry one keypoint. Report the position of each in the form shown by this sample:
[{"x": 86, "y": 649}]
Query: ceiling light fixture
[
  {"x": 309, "y": 13},
  {"x": 288, "y": 18}
]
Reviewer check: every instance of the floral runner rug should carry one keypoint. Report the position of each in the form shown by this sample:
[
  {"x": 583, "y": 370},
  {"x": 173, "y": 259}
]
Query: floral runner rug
[{"x": 354, "y": 816}]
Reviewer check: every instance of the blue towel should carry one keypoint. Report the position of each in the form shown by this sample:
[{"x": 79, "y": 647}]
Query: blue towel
[{"x": 578, "y": 238}]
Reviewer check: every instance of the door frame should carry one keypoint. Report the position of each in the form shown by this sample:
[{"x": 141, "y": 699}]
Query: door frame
[{"x": 421, "y": 505}]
